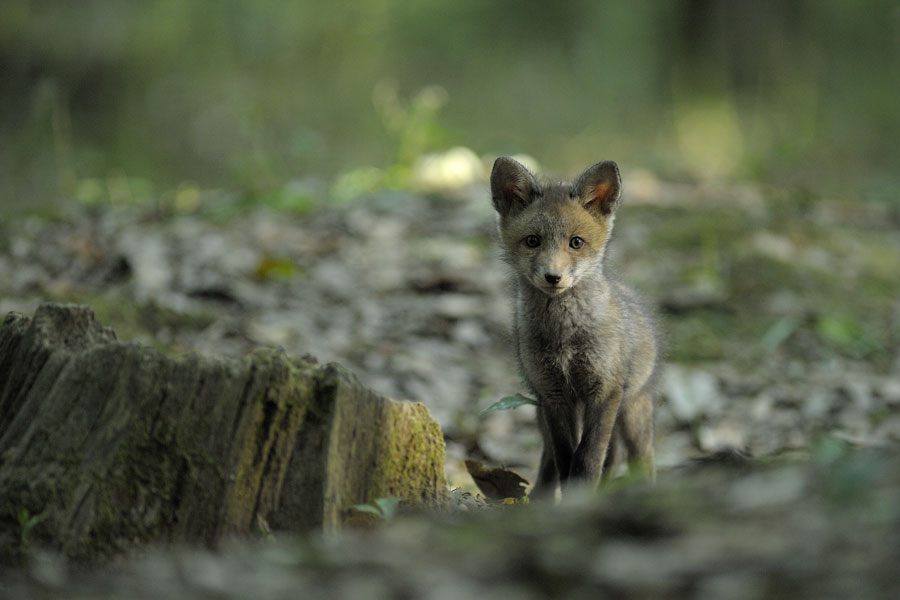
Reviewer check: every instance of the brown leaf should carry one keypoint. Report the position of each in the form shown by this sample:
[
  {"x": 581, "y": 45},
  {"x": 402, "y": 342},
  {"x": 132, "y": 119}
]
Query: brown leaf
[{"x": 496, "y": 483}]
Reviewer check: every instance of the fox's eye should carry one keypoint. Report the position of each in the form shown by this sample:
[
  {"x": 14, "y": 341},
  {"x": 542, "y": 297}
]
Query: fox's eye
[
  {"x": 532, "y": 241},
  {"x": 576, "y": 243}
]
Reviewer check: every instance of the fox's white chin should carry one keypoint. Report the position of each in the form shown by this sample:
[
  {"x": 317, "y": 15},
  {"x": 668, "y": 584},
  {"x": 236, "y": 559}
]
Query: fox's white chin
[{"x": 552, "y": 290}]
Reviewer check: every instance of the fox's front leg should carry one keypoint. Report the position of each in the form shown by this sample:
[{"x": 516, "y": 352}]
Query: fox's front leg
[
  {"x": 547, "y": 478},
  {"x": 599, "y": 420},
  {"x": 557, "y": 425},
  {"x": 635, "y": 421}
]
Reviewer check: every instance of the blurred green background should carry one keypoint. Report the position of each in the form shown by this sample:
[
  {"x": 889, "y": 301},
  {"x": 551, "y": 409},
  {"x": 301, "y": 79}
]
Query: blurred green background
[{"x": 253, "y": 95}]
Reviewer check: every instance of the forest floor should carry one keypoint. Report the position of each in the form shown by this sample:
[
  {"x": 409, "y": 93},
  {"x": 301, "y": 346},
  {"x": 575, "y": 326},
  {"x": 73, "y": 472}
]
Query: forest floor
[{"x": 782, "y": 324}]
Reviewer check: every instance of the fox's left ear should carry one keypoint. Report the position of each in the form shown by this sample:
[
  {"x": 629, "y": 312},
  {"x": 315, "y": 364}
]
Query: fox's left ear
[
  {"x": 513, "y": 187},
  {"x": 599, "y": 188}
]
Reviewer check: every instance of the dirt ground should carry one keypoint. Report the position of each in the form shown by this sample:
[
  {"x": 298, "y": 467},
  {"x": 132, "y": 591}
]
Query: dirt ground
[{"x": 780, "y": 313}]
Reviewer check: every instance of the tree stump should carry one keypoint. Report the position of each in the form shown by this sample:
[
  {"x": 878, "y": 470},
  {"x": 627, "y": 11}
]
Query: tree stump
[{"x": 107, "y": 444}]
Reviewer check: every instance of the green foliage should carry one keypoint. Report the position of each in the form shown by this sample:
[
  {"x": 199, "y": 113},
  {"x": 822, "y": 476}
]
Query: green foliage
[
  {"x": 27, "y": 522},
  {"x": 509, "y": 403},
  {"x": 778, "y": 333},
  {"x": 412, "y": 129},
  {"x": 411, "y": 125},
  {"x": 251, "y": 96},
  {"x": 828, "y": 450},
  {"x": 383, "y": 508},
  {"x": 848, "y": 475},
  {"x": 271, "y": 267},
  {"x": 114, "y": 189},
  {"x": 847, "y": 334}
]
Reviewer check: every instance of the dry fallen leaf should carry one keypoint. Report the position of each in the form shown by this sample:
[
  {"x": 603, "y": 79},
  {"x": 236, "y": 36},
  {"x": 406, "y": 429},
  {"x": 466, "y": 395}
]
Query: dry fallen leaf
[{"x": 497, "y": 483}]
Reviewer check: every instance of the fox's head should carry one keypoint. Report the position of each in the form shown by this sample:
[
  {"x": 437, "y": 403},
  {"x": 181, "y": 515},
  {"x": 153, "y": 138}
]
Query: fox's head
[{"x": 554, "y": 234}]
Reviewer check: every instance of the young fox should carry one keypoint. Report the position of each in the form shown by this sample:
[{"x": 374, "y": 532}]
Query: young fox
[{"x": 587, "y": 348}]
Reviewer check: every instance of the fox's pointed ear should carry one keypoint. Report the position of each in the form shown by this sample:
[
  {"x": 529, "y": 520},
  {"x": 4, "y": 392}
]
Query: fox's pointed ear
[
  {"x": 599, "y": 188},
  {"x": 512, "y": 186}
]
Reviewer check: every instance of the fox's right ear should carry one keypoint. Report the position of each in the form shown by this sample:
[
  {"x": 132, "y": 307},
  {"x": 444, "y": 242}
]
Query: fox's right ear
[
  {"x": 512, "y": 186},
  {"x": 599, "y": 188}
]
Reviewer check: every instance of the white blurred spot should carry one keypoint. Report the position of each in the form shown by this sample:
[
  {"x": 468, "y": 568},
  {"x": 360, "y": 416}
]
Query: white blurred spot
[{"x": 442, "y": 171}]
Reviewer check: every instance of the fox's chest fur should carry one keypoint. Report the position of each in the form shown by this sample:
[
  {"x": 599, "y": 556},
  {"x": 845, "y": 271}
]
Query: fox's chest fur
[{"x": 569, "y": 347}]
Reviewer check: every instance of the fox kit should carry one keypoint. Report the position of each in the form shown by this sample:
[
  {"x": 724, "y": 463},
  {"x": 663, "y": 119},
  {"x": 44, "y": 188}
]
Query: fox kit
[{"x": 586, "y": 347}]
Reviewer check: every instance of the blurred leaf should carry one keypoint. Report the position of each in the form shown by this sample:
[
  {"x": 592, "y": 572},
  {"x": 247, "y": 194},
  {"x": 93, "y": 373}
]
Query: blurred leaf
[
  {"x": 849, "y": 478},
  {"x": 388, "y": 506},
  {"x": 90, "y": 191},
  {"x": 187, "y": 198},
  {"x": 385, "y": 508},
  {"x": 296, "y": 197},
  {"x": 118, "y": 189},
  {"x": 508, "y": 403},
  {"x": 27, "y": 522},
  {"x": 356, "y": 183},
  {"x": 778, "y": 333},
  {"x": 270, "y": 267},
  {"x": 846, "y": 334},
  {"x": 829, "y": 449},
  {"x": 367, "y": 508}
]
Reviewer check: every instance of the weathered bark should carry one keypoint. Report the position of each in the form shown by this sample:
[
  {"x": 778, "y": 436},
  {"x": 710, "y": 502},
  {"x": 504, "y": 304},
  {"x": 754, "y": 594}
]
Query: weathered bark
[{"x": 114, "y": 443}]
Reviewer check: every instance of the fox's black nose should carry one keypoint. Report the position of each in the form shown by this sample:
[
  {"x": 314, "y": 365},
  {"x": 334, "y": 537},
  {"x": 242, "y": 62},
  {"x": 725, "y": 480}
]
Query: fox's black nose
[{"x": 552, "y": 278}]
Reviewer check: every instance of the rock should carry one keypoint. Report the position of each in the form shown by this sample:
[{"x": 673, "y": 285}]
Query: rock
[
  {"x": 462, "y": 501},
  {"x": 716, "y": 437},
  {"x": 111, "y": 444},
  {"x": 690, "y": 393}
]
